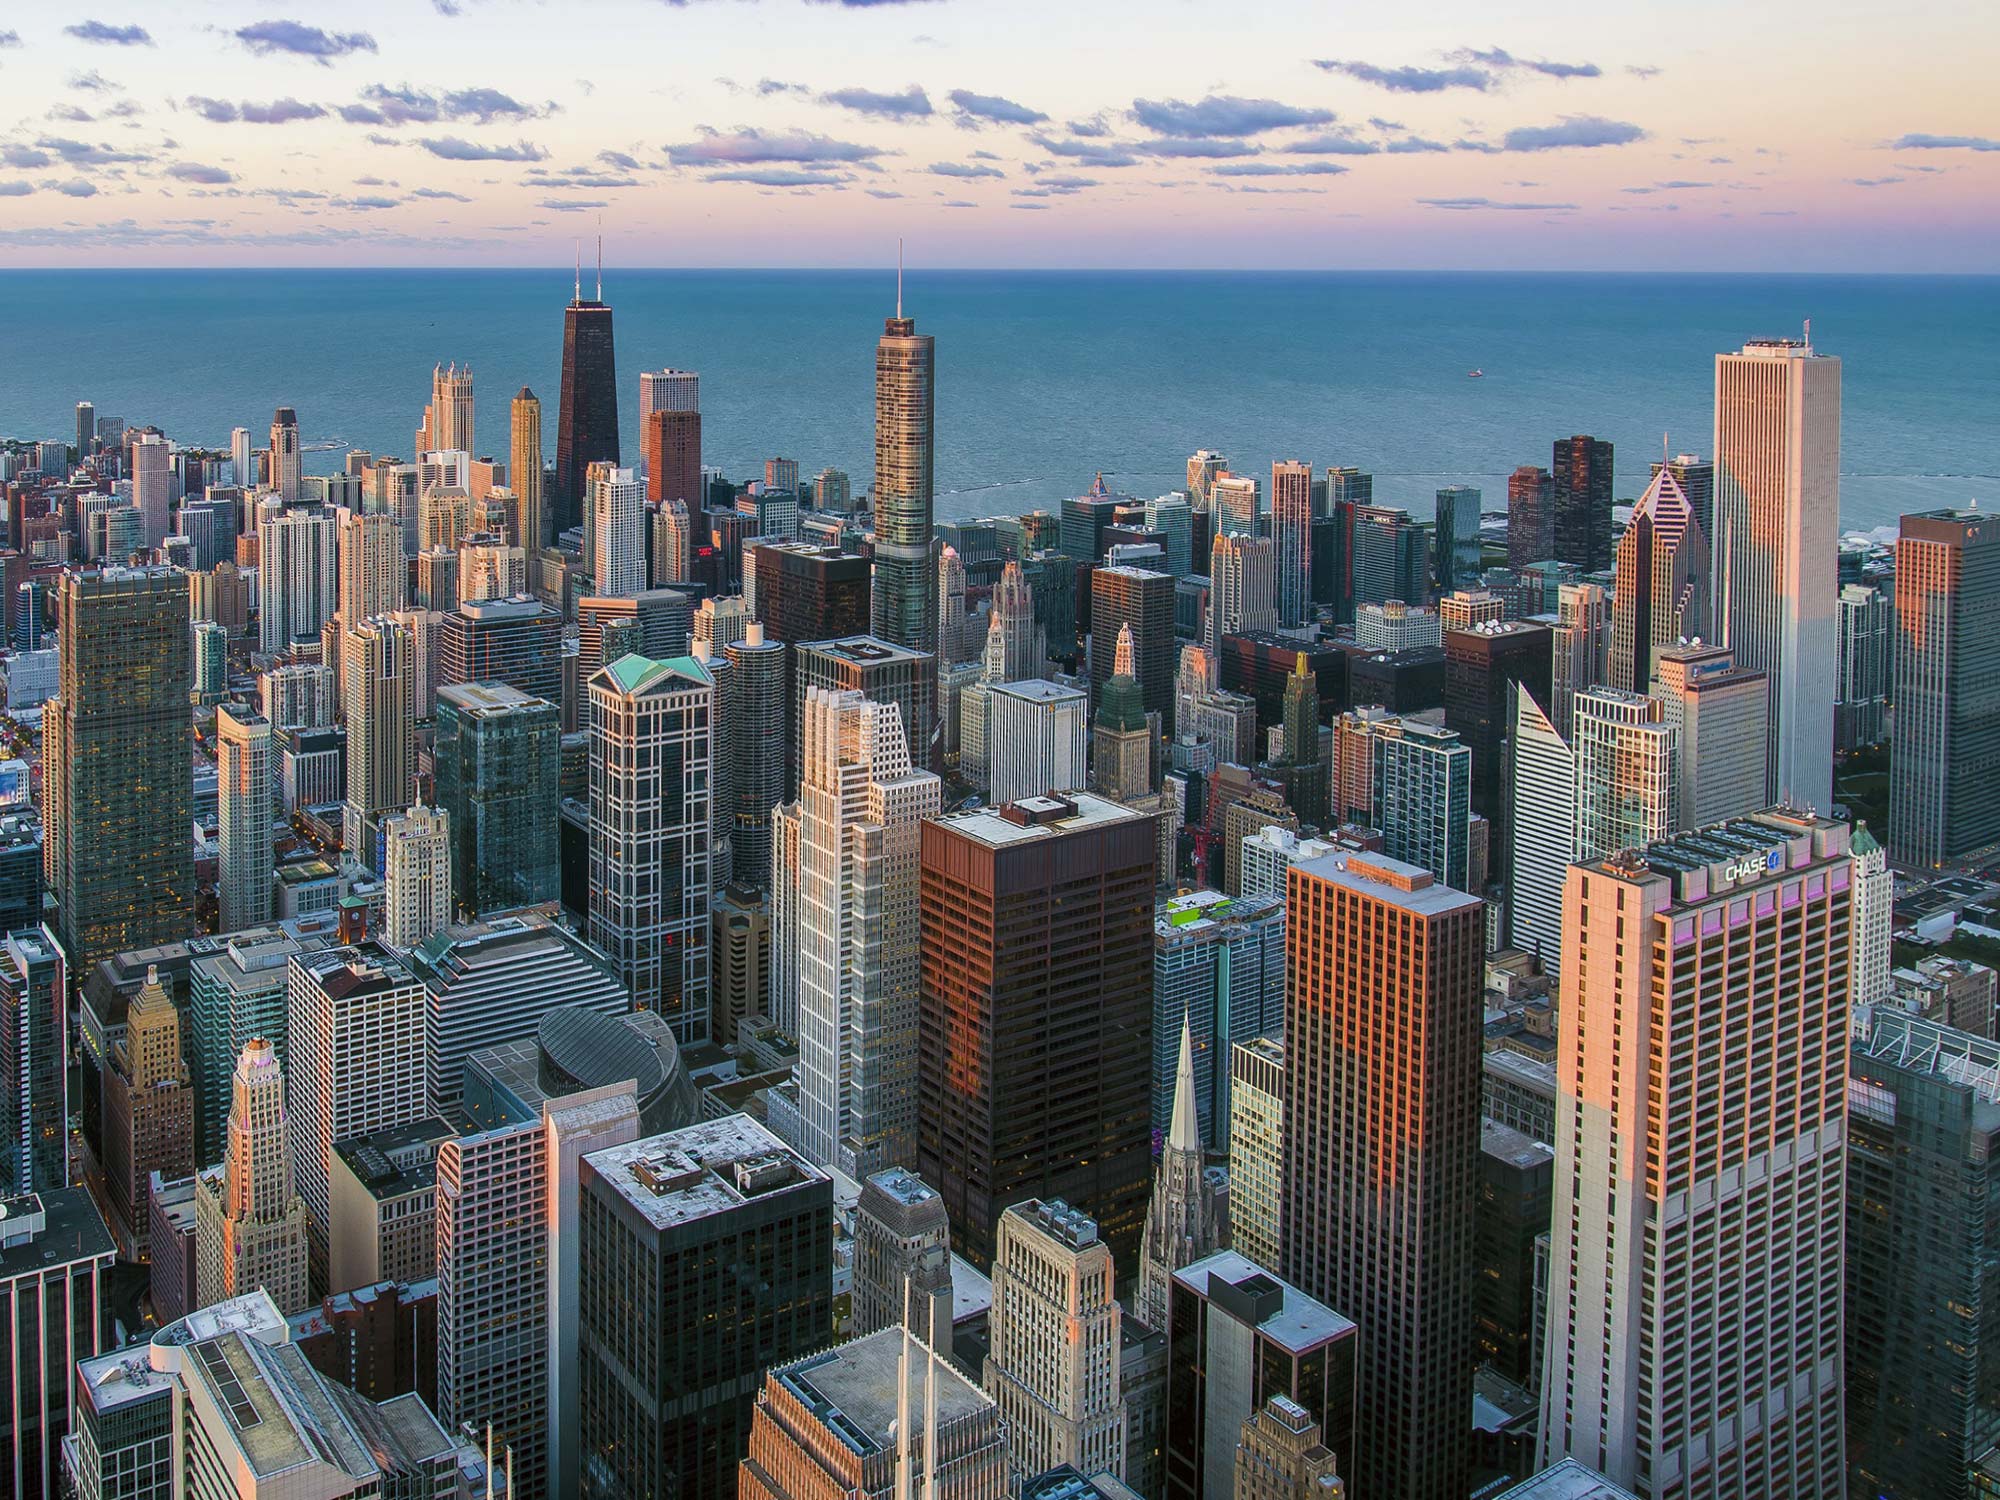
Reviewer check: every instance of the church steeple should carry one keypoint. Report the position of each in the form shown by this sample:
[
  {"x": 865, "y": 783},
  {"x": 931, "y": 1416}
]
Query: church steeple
[
  {"x": 1182, "y": 1221},
  {"x": 1184, "y": 1134}
]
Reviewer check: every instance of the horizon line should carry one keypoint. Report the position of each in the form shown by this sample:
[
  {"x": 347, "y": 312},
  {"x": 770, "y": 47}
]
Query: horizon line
[{"x": 992, "y": 270}]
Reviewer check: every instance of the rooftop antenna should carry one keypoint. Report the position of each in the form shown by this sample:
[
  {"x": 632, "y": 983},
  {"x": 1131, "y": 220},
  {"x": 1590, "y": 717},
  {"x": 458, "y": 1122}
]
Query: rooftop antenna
[
  {"x": 1663, "y": 450},
  {"x": 600, "y": 258},
  {"x": 899, "y": 276},
  {"x": 579, "y": 271},
  {"x": 1809, "y": 333}
]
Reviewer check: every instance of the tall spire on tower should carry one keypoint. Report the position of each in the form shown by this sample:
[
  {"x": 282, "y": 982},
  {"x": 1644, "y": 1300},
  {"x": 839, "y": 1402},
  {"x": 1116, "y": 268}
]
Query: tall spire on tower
[
  {"x": 1184, "y": 1133},
  {"x": 600, "y": 260},
  {"x": 899, "y": 276},
  {"x": 577, "y": 296}
]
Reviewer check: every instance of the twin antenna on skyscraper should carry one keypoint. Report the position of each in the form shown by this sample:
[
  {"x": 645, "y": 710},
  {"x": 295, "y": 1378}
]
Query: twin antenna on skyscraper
[{"x": 578, "y": 295}]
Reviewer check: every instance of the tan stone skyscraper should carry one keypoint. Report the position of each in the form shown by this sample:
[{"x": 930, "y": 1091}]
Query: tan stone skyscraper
[
  {"x": 1383, "y": 1021},
  {"x": 451, "y": 408},
  {"x": 148, "y": 1110},
  {"x": 285, "y": 456},
  {"x": 250, "y": 1222},
  {"x": 524, "y": 469},
  {"x": 1281, "y": 1457}
]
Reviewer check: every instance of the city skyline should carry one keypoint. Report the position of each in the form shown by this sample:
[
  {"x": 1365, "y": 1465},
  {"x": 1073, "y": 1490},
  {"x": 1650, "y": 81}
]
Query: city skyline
[{"x": 1571, "y": 142}]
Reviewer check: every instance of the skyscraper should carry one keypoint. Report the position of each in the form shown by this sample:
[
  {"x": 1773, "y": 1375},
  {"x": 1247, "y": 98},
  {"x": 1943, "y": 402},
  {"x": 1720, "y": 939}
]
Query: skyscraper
[
  {"x": 1291, "y": 530},
  {"x": 371, "y": 572},
  {"x": 757, "y": 748},
  {"x": 1947, "y": 659},
  {"x": 451, "y": 408},
  {"x": 1653, "y": 1332},
  {"x": 673, "y": 544},
  {"x": 250, "y": 1222},
  {"x": 1257, "y": 1149},
  {"x": 1860, "y": 712},
  {"x": 853, "y": 925},
  {"x": 877, "y": 670},
  {"x": 285, "y": 456},
  {"x": 1479, "y": 665},
  {"x": 496, "y": 765},
  {"x": 650, "y": 763},
  {"x": 378, "y": 685},
  {"x": 1662, "y": 591},
  {"x": 617, "y": 520},
  {"x": 152, "y": 488},
  {"x": 34, "y": 1047},
  {"x": 1280, "y": 1456},
  {"x": 1014, "y": 609},
  {"x": 902, "y": 1257},
  {"x": 1721, "y": 712},
  {"x": 1037, "y": 1013},
  {"x": 1235, "y": 501},
  {"x": 148, "y": 1111},
  {"x": 587, "y": 411},
  {"x": 1874, "y": 919},
  {"x": 904, "y": 611},
  {"x": 1391, "y": 557},
  {"x": 1580, "y": 498},
  {"x": 1777, "y": 524},
  {"x": 524, "y": 469},
  {"x": 1455, "y": 542},
  {"x": 1578, "y": 650},
  {"x": 1202, "y": 469},
  {"x": 55, "y": 1270},
  {"x": 1423, "y": 778},
  {"x": 1531, "y": 518},
  {"x": 416, "y": 865},
  {"x": 1627, "y": 772},
  {"x": 117, "y": 792},
  {"x": 1036, "y": 738},
  {"x": 298, "y": 573},
  {"x": 1242, "y": 589},
  {"x": 243, "y": 772},
  {"x": 1382, "y": 1035},
  {"x": 1144, "y": 600}
]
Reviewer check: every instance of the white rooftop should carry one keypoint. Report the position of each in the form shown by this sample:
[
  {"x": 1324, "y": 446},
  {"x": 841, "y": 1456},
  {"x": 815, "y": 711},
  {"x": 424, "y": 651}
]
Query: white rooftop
[
  {"x": 986, "y": 824},
  {"x": 683, "y": 1175}
]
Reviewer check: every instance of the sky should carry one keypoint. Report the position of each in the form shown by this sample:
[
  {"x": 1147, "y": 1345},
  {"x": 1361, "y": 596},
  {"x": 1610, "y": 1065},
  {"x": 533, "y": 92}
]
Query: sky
[{"x": 1267, "y": 134}]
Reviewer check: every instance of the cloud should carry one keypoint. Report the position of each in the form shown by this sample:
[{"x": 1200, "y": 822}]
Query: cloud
[
  {"x": 281, "y": 112},
  {"x": 963, "y": 169},
  {"x": 976, "y": 109},
  {"x": 619, "y": 159},
  {"x": 1059, "y": 185},
  {"x": 94, "y": 82},
  {"x": 962, "y": 203},
  {"x": 572, "y": 205},
  {"x": 1919, "y": 141},
  {"x": 1466, "y": 204},
  {"x": 382, "y": 105},
  {"x": 881, "y": 193},
  {"x": 431, "y": 192},
  {"x": 1094, "y": 127},
  {"x": 1197, "y": 147},
  {"x": 1875, "y": 182},
  {"x": 578, "y": 178},
  {"x": 1278, "y": 169},
  {"x": 453, "y": 148},
  {"x": 1642, "y": 70},
  {"x": 912, "y": 104},
  {"x": 107, "y": 35},
  {"x": 1037, "y": 207},
  {"x": 488, "y": 105},
  {"x": 1497, "y": 57},
  {"x": 1331, "y": 145},
  {"x": 1409, "y": 80},
  {"x": 1414, "y": 145},
  {"x": 70, "y": 113},
  {"x": 1092, "y": 153},
  {"x": 18, "y": 188},
  {"x": 1573, "y": 130},
  {"x": 83, "y": 153},
  {"x": 1223, "y": 114},
  {"x": 10, "y": 39},
  {"x": 76, "y": 187},
  {"x": 194, "y": 171},
  {"x": 221, "y": 111},
  {"x": 24, "y": 156},
  {"x": 751, "y": 147},
  {"x": 367, "y": 201},
  {"x": 778, "y": 177},
  {"x": 300, "y": 40}
]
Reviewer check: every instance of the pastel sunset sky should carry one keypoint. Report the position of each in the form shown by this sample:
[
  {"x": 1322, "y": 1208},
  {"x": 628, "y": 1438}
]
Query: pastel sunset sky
[{"x": 1703, "y": 135}]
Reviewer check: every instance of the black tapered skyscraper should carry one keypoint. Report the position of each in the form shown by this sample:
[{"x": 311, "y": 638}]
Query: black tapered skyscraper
[{"x": 587, "y": 422}]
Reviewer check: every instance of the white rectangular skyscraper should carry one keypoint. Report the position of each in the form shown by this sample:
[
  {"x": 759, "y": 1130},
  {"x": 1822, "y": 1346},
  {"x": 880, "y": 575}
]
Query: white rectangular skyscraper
[{"x": 1776, "y": 547}]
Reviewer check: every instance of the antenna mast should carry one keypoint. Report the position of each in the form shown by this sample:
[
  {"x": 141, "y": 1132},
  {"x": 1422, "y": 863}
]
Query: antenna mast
[
  {"x": 579, "y": 271},
  {"x": 899, "y": 276},
  {"x": 600, "y": 259}
]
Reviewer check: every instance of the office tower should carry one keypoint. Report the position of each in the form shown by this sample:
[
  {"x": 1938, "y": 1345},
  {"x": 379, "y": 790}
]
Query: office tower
[
  {"x": 1280, "y": 1456},
  {"x": 1874, "y": 918},
  {"x": 1242, "y": 588},
  {"x": 1395, "y": 626},
  {"x": 86, "y": 430},
  {"x": 250, "y": 1222},
  {"x": 1516, "y": 1190},
  {"x": 34, "y": 1033},
  {"x": 1219, "y": 971},
  {"x": 117, "y": 794},
  {"x": 1480, "y": 664},
  {"x": 1696, "y": 477},
  {"x": 1014, "y": 609},
  {"x": 954, "y": 625},
  {"x": 1085, "y": 519},
  {"x": 740, "y": 964},
  {"x": 1661, "y": 594},
  {"x": 902, "y": 1258},
  {"x": 1241, "y": 1338},
  {"x": 781, "y": 474},
  {"x": 55, "y": 1263},
  {"x": 1037, "y": 1007},
  {"x": 1580, "y": 499},
  {"x": 1860, "y": 712},
  {"x": 1654, "y": 1333},
  {"x": 235, "y": 992},
  {"x": 416, "y": 867},
  {"x": 242, "y": 460},
  {"x": 1541, "y": 827},
  {"x": 851, "y": 919},
  {"x": 1304, "y": 773},
  {"x": 1053, "y": 1359},
  {"x": 617, "y": 514},
  {"x": 358, "y": 1063},
  {"x": 1382, "y": 1035},
  {"x": 1777, "y": 519},
  {"x": 148, "y": 1111},
  {"x": 516, "y": 642},
  {"x": 451, "y": 408},
  {"x": 1627, "y": 772},
  {"x": 243, "y": 769},
  {"x": 488, "y": 568},
  {"x": 1181, "y": 1220},
  {"x": 587, "y": 405},
  {"x": 1144, "y": 600},
  {"x": 1578, "y": 648},
  {"x": 1173, "y": 519},
  {"x": 152, "y": 487},
  {"x": 1036, "y": 733},
  {"x": 1531, "y": 518},
  {"x": 494, "y": 1303},
  {"x": 1291, "y": 531},
  {"x": 524, "y": 468},
  {"x": 806, "y": 593},
  {"x": 1922, "y": 1130},
  {"x": 673, "y": 544},
  {"x": 1257, "y": 1149},
  {"x": 378, "y": 686},
  {"x": 1721, "y": 711},
  {"x": 1423, "y": 784},
  {"x": 495, "y": 766},
  {"x": 771, "y": 513},
  {"x": 859, "y": 1420},
  {"x": 285, "y": 456},
  {"x": 878, "y": 671},
  {"x": 1121, "y": 742},
  {"x": 1203, "y": 468},
  {"x": 1234, "y": 500},
  {"x": 1391, "y": 557},
  {"x": 211, "y": 662},
  {"x": 903, "y": 610},
  {"x": 1455, "y": 542},
  {"x": 650, "y": 761},
  {"x": 720, "y": 620},
  {"x": 1947, "y": 654},
  {"x": 298, "y": 573},
  {"x": 704, "y": 1264}
]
